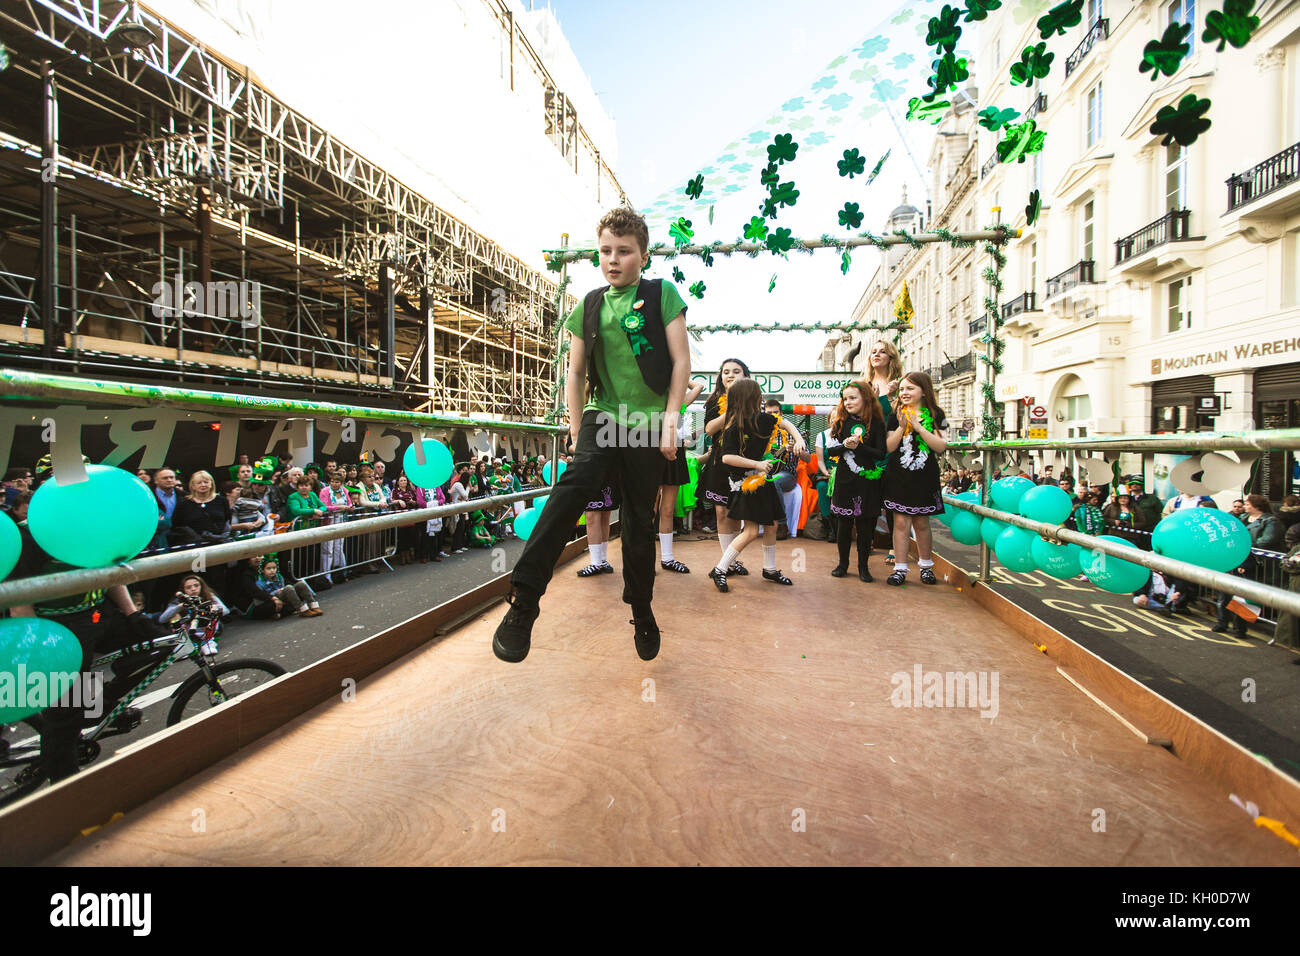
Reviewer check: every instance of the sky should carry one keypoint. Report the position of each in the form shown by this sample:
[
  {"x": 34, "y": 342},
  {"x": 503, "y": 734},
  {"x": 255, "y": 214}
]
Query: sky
[{"x": 698, "y": 87}]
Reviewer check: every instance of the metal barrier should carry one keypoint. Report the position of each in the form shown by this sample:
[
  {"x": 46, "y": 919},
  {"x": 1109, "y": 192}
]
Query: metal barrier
[{"x": 377, "y": 546}]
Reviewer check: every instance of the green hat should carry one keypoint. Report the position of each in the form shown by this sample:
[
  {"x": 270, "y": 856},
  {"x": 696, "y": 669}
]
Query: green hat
[{"x": 1135, "y": 480}]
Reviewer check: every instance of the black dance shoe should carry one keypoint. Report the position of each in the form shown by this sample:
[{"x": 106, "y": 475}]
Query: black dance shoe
[
  {"x": 646, "y": 637},
  {"x": 776, "y": 577},
  {"x": 515, "y": 632},
  {"x": 719, "y": 579}
]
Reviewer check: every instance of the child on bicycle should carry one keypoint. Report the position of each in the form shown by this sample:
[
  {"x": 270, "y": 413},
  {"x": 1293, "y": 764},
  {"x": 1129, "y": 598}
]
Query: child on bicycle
[{"x": 196, "y": 610}]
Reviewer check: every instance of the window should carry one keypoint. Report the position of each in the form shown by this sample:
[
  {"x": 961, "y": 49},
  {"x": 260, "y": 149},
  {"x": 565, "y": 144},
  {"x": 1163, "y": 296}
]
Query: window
[
  {"x": 1175, "y": 177},
  {"x": 1078, "y": 408},
  {"x": 1094, "y": 115},
  {"x": 1094, "y": 11},
  {"x": 1036, "y": 171},
  {"x": 1089, "y": 224},
  {"x": 1033, "y": 266},
  {"x": 1180, "y": 304},
  {"x": 1184, "y": 11}
]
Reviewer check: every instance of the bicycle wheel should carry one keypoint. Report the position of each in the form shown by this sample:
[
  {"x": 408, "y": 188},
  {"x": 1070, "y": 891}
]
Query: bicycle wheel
[
  {"x": 198, "y": 695},
  {"x": 20, "y": 754}
]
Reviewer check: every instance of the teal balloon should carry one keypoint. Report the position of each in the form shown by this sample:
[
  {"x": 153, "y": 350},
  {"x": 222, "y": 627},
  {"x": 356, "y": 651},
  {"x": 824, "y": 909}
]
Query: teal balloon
[
  {"x": 1007, "y": 492},
  {"x": 1062, "y": 561},
  {"x": 539, "y": 502},
  {"x": 526, "y": 522},
  {"x": 437, "y": 467},
  {"x": 1114, "y": 574},
  {"x": 991, "y": 528},
  {"x": 1206, "y": 537},
  {"x": 546, "y": 471},
  {"x": 34, "y": 646},
  {"x": 110, "y": 517},
  {"x": 1014, "y": 548},
  {"x": 11, "y": 545},
  {"x": 1045, "y": 503},
  {"x": 966, "y": 528}
]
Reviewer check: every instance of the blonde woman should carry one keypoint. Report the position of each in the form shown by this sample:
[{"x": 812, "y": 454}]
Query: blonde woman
[
  {"x": 203, "y": 518},
  {"x": 884, "y": 372}
]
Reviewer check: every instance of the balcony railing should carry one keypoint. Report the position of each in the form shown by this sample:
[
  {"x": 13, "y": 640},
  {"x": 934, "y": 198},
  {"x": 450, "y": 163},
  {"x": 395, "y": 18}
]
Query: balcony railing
[
  {"x": 979, "y": 324},
  {"x": 1171, "y": 227},
  {"x": 1100, "y": 31},
  {"x": 988, "y": 167},
  {"x": 1080, "y": 273},
  {"x": 1272, "y": 174},
  {"x": 1025, "y": 302},
  {"x": 957, "y": 366},
  {"x": 1039, "y": 105}
]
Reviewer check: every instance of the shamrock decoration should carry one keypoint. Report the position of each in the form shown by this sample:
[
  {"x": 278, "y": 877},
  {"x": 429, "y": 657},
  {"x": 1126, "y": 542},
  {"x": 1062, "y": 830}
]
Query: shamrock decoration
[
  {"x": 1233, "y": 25},
  {"x": 919, "y": 109},
  {"x": 850, "y": 218},
  {"x": 845, "y": 260},
  {"x": 1182, "y": 124},
  {"x": 678, "y": 275},
  {"x": 681, "y": 231},
  {"x": 785, "y": 194},
  {"x": 979, "y": 9},
  {"x": 756, "y": 229},
  {"x": 782, "y": 149},
  {"x": 1031, "y": 210},
  {"x": 948, "y": 72},
  {"x": 768, "y": 208},
  {"x": 780, "y": 241},
  {"x": 875, "y": 170},
  {"x": 706, "y": 256},
  {"x": 944, "y": 32},
  {"x": 992, "y": 118},
  {"x": 697, "y": 289},
  {"x": 1164, "y": 55},
  {"x": 710, "y": 215},
  {"x": 1035, "y": 62},
  {"x": 695, "y": 187},
  {"x": 771, "y": 283},
  {"x": 1021, "y": 140},
  {"x": 851, "y": 163},
  {"x": 1060, "y": 18},
  {"x": 769, "y": 176}
]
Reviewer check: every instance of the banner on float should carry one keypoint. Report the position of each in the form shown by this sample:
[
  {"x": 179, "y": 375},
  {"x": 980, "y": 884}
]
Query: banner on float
[{"x": 792, "y": 388}]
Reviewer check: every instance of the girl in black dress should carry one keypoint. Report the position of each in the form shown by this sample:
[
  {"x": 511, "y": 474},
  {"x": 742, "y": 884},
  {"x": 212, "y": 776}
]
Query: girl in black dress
[
  {"x": 714, "y": 486},
  {"x": 746, "y": 435},
  {"x": 916, "y": 430},
  {"x": 857, "y": 436}
]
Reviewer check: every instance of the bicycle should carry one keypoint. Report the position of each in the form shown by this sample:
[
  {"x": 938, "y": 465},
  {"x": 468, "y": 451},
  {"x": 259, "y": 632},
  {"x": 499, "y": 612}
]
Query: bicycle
[{"x": 21, "y": 771}]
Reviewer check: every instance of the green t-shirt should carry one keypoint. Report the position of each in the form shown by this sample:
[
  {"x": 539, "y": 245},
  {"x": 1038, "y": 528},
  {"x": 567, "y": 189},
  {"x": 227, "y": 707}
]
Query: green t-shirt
[{"x": 618, "y": 377}]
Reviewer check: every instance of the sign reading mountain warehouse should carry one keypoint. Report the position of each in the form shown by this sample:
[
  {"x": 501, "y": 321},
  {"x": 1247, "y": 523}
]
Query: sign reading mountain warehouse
[{"x": 1244, "y": 352}]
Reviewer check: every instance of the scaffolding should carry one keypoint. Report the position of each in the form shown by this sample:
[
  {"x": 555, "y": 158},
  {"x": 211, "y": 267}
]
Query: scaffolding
[{"x": 171, "y": 165}]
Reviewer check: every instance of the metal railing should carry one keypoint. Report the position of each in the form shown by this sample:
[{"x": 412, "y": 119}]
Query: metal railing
[
  {"x": 1100, "y": 30},
  {"x": 1171, "y": 227},
  {"x": 1025, "y": 302},
  {"x": 1039, "y": 105},
  {"x": 1081, "y": 273},
  {"x": 978, "y": 325},
  {"x": 988, "y": 166},
  {"x": 1279, "y": 170},
  {"x": 958, "y": 366}
]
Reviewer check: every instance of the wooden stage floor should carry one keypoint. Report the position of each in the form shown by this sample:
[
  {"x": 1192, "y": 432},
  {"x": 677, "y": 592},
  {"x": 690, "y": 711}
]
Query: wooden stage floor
[{"x": 763, "y": 734}]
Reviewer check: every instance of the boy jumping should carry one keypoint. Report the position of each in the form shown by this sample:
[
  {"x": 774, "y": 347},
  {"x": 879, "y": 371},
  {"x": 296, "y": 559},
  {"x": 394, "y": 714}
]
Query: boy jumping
[{"x": 628, "y": 354}]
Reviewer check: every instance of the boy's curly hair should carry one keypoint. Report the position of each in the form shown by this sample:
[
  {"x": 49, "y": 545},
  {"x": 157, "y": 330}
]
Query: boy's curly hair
[{"x": 623, "y": 221}]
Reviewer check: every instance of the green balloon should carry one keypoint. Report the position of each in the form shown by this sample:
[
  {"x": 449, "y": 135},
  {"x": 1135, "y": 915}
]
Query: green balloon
[
  {"x": 437, "y": 466},
  {"x": 1014, "y": 548},
  {"x": 32, "y": 647},
  {"x": 1205, "y": 537},
  {"x": 526, "y": 522},
  {"x": 1058, "y": 560},
  {"x": 1007, "y": 492},
  {"x": 991, "y": 528},
  {"x": 540, "y": 502},
  {"x": 966, "y": 528},
  {"x": 546, "y": 471},
  {"x": 110, "y": 517},
  {"x": 1046, "y": 503},
  {"x": 1114, "y": 574},
  {"x": 11, "y": 545}
]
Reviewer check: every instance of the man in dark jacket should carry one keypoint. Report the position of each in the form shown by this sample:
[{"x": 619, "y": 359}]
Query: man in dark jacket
[{"x": 1149, "y": 505}]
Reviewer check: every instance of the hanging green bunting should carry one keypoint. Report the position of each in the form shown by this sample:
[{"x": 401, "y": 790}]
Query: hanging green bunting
[
  {"x": 845, "y": 260},
  {"x": 678, "y": 275},
  {"x": 769, "y": 176},
  {"x": 992, "y": 118},
  {"x": 1020, "y": 141},
  {"x": 695, "y": 188},
  {"x": 1035, "y": 63},
  {"x": 1165, "y": 55},
  {"x": 706, "y": 256},
  {"x": 771, "y": 284},
  {"x": 875, "y": 170},
  {"x": 697, "y": 289},
  {"x": 710, "y": 215},
  {"x": 1032, "y": 210},
  {"x": 756, "y": 229},
  {"x": 919, "y": 109},
  {"x": 1060, "y": 18},
  {"x": 979, "y": 9},
  {"x": 944, "y": 32},
  {"x": 1182, "y": 124},
  {"x": 852, "y": 163},
  {"x": 1233, "y": 25},
  {"x": 782, "y": 149},
  {"x": 850, "y": 217},
  {"x": 785, "y": 194},
  {"x": 780, "y": 241},
  {"x": 681, "y": 231},
  {"x": 948, "y": 72}
]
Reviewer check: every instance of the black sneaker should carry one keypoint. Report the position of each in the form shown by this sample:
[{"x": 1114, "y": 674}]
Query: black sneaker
[
  {"x": 514, "y": 634},
  {"x": 840, "y": 571},
  {"x": 739, "y": 570},
  {"x": 675, "y": 565},
  {"x": 776, "y": 577},
  {"x": 719, "y": 579},
  {"x": 897, "y": 578},
  {"x": 927, "y": 576},
  {"x": 646, "y": 637}
]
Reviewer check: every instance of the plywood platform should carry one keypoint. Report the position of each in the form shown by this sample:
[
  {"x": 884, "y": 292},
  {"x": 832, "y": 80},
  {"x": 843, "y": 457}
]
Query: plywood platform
[{"x": 763, "y": 734}]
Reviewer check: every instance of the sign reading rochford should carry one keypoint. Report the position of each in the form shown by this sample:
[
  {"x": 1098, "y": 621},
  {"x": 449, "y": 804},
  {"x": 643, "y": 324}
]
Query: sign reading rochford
[{"x": 793, "y": 388}]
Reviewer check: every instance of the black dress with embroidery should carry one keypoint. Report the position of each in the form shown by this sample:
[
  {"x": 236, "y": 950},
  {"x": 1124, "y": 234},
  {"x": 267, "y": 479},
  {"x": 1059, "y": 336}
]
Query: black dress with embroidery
[
  {"x": 764, "y": 505},
  {"x": 713, "y": 479},
  {"x": 856, "y": 495},
  {"x": 911, "y": 482}
]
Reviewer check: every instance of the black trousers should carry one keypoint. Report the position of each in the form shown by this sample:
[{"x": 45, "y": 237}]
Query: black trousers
[
  {"x": 866, "y": 526},
  {"x": 597, "y": 460}
]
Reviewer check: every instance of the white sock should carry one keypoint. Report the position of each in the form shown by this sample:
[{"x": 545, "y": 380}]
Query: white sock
[
  {"x": 666, "y": 546},
  {"x": 924, "y": 563},
  {"x": 900, "y": 566},
  {"x": 728, "y": 559},
  {"x": 769, "y": 558},
  {"x": 594, "y": 550},
  {"x": 725, "y": 540},
  {"x": 604, "y": 552}
]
